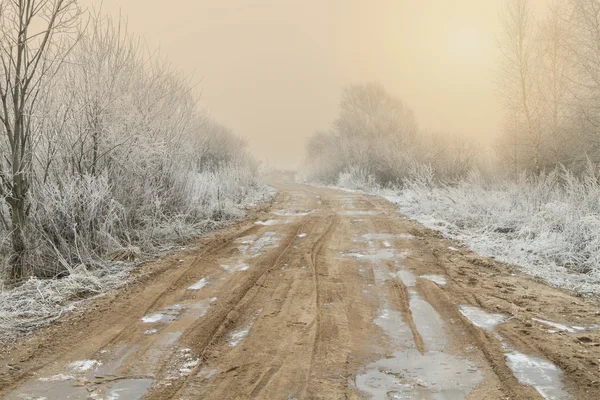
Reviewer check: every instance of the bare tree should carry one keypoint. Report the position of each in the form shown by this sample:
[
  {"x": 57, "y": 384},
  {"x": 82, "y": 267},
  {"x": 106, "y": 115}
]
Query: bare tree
[
  {"x": 34, "y": 39},
  {"x": 518, "y": 77}
]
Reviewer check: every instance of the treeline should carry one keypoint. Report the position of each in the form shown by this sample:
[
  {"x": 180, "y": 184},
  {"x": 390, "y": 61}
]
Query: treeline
[
  {"x": 376, "y": 137},
  {"x": 550, "y": 83},
  {"x": 105, "y": 151}
]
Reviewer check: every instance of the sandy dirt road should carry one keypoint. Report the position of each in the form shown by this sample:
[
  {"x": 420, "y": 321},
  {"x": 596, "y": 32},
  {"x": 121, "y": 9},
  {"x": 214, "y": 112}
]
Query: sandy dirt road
[{"x": 325, "y": 295}]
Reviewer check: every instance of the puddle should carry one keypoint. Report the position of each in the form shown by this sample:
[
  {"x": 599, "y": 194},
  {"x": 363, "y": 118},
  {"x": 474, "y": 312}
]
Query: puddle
[
  {"x": 407, "y": 277},
  {"x": 202, "y": 283},
  {"x": 408, "y": 374},
  {"x": 268, "y": 239},
  {"x": 565, "y": 328},
  {"x": 411, "y": 375},
  {"x": 481, "y": 318},
  {"x": 292, "y": 213},
  {"x": 57, "y": 378},
  {"x": 438, "y": 279},
  {"x": 544, "y": 376},
  {"x": 61, "y": 387},
  {"x": 270, "y": 222},
  {"x": 169, "y": 338},
  {"x": 385, "y": 236},
  {"x": 159, "y": 317},
  {"x": 391, "y": 322},
  {"x": 240, "y": 266},
  {"x": 428, "y": 323},
  {"x": 359, "y": 213},
  {"x": 376, "y": 255}
]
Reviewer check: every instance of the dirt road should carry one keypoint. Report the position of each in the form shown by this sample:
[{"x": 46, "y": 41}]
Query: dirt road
[{"x": 330, "y": 295}]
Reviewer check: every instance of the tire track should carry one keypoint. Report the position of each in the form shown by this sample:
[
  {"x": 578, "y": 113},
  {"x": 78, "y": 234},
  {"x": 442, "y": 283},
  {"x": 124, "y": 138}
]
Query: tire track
[{"x": 225, "y": 317}]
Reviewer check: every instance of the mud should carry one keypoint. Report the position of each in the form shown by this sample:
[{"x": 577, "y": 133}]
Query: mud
[{"x": 331, "y": 295}]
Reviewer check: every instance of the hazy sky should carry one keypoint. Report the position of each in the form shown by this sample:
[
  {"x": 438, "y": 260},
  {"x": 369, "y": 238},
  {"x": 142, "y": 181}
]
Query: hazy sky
[{"x": 273, "y": 70}]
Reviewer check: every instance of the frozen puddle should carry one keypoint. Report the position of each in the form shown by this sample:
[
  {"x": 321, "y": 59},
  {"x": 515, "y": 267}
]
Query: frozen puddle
[
  {"x": 292, "y": 213},
  {"x": 130, "y": 389},
  {"x": 376, "y": 255},
  {"x": 384, "y": 236},
  {"x": 481, "y": 318},
  {"x": 240, "y": 266},
  {"x": 86, "y": 381},
  {"x": 252, "y": 246},
  {"x": 169, "y": 314},
  {"x": 566, "y": 328},
  {"x": 438, "y": 279},
  {"x": 407, "y": 278},
  {"x": 359, "y": 213},
  {"x": 270, "y": 222},
  {"x": 544, "y": 376},
  {"x": 410, "y": 374},
  {"x": 202, "y": 283}
]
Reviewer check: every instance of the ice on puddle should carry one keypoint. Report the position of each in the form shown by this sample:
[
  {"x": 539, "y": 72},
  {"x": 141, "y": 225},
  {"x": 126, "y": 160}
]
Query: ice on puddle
[
  {"x": 84, "y": 365},
  {"x": 407, "y": 278},
  {"x": 563, "y": 327},
  {"x": 438, "y": 279},
  {"x": 240, "y": 266},
  {"x": 538, "y": 373},
  {"x": 199, "y": 285},
  {"x": 152, "y": 318},
  {"x": 292, "y": 213},
  {"x": 57, "y": 378},
  {"x": 481, "y": 318},
  {"x": 270, "y": 222}
]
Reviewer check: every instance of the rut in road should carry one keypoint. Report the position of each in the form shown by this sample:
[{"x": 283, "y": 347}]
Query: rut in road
[{"x": 328, "y": 295}]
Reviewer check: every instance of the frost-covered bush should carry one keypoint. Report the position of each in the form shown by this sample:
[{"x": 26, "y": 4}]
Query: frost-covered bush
[
  {"x": 548, "y": 225},
  {"x": 123, "y": 161}
]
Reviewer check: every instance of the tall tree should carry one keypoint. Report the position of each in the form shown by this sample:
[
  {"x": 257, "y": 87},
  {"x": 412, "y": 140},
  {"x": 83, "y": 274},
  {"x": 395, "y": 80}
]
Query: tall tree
[{"x": 35, "y": 36}]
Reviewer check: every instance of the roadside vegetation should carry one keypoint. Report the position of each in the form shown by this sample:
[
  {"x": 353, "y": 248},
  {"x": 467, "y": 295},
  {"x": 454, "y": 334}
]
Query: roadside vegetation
[
  {"x": 535, "y": 200},
  {"x": 107, "y": 158}
]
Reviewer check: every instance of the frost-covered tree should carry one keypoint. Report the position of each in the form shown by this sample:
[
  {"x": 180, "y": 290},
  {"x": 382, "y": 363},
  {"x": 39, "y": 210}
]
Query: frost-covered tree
[{"x": 35, "y": 36}]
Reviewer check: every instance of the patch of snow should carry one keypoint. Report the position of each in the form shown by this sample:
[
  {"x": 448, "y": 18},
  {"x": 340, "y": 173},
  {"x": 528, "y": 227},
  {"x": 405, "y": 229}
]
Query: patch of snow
[
  {"x": 302, "y": 235},
  {"x": 236, "y": 337}
]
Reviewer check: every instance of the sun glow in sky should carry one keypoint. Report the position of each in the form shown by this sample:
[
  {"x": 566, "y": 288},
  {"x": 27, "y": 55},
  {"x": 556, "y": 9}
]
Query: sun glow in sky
[{"x": 273, "y": 70}]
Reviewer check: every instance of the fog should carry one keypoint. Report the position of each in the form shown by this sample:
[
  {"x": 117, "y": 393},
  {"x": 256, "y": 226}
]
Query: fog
[{"x": 273, "y": 70}]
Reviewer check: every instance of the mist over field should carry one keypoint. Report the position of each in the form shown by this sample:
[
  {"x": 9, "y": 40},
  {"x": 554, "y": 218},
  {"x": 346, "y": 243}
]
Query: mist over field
[{"x": 344, "y": 180}]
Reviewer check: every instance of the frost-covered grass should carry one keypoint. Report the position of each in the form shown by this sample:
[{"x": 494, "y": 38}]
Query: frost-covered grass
[
  {"x": 549, "y": 226},
  {"x": 88, "y": 241}
]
